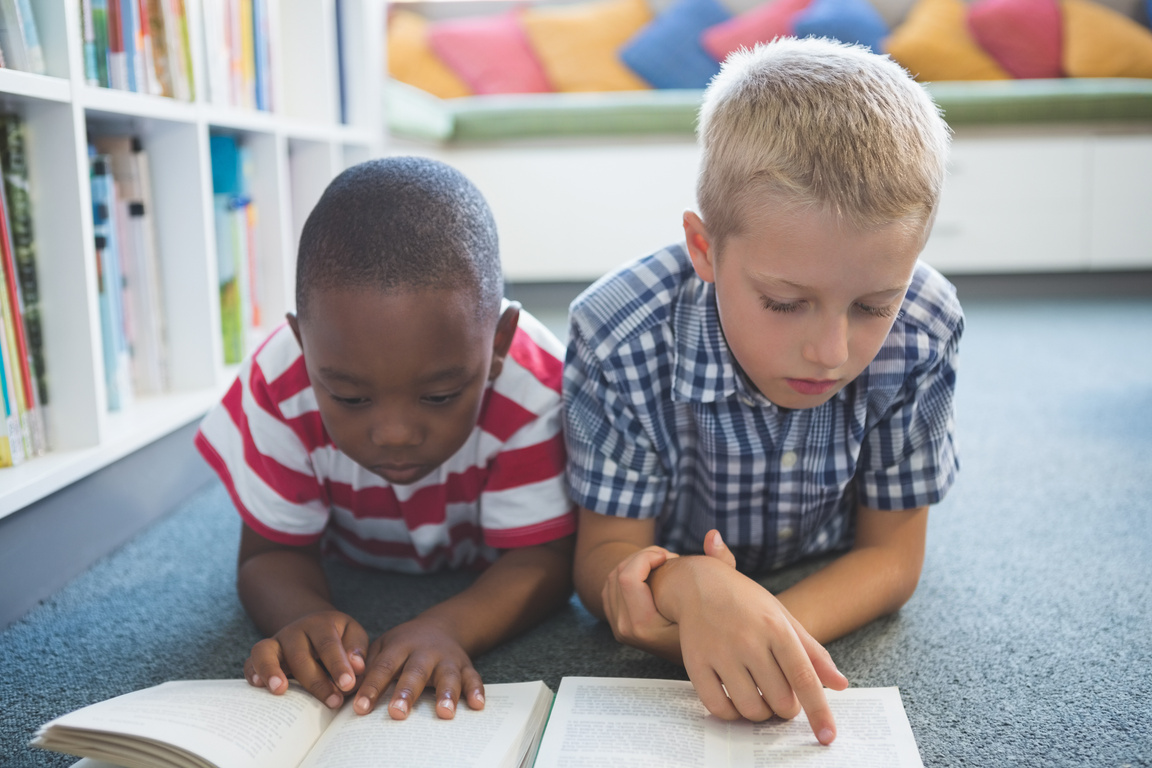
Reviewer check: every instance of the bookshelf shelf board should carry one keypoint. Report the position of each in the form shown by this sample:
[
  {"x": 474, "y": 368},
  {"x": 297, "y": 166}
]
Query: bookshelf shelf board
[
  {"x": 16, "y": 83},
  {"x": 239, "y": 119},
  {"x": 145, "y": 421},
  {"x": 136, "y": 104}
]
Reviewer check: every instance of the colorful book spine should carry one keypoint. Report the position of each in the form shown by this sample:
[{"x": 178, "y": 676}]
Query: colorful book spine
[
  {"x": 117, "y": 355},
  {"x": 30, "y": 30},
  {"x": 130, "y": 34},
  {"x": 230, "y": 201},
  {"x": 88, "y": 36},
  {"x": 117, "y": 57},
  {"x": 100, "y": 36},
  {"x": 18, "y": 199},
  {"x": 11, "y": 435},
  {"x": 21, "y": 379}
]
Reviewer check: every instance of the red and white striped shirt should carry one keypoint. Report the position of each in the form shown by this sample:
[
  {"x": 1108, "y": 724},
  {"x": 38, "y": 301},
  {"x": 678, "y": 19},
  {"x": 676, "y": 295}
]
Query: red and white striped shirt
[{"x": 504, "y": 488}]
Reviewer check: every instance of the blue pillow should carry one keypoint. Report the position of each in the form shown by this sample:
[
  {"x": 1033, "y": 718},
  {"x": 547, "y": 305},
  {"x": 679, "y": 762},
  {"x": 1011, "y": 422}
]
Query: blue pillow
[
  {"x": 668, "y": 54},
  {"x": 849, "y": 21}
]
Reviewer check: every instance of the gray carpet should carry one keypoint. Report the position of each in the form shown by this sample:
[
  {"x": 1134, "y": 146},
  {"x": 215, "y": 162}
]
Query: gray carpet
[{"x": 1028, "y": 642}]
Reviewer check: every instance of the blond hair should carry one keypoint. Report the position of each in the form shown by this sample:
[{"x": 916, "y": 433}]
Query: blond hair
[{"x": 815, "y": 122}]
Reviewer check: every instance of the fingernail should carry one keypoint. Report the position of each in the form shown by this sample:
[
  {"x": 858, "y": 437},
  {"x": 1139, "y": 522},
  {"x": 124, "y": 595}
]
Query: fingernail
[
  {"x": 274, "y": 683},
  {"x": 334, "y": 701},
  {"x": 400, "y": 706},
  {"x": 447, "y": 703},
  {"x": 478, "y": 695},
  {"x": 345, "y": 681},
  {"x": 256, "y": 680},
  {"x": 362, "y": 704},
  {"x": 720, "y": 539},
  {"x": 825, "y": 736}
]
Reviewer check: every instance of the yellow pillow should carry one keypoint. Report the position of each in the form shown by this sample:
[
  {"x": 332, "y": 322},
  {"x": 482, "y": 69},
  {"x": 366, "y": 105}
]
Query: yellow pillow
[
  {"x": 1101, "y": 42},
  {"x": 411, "y": 61},
  {"x": 577, "y": 44},
  {"x": 934, "y": 44}
]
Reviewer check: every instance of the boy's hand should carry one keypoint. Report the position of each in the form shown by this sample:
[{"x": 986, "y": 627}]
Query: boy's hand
[
  {"x": 629, "y": 607},
  {"x": 744, "y": 652},
  {"x": 415, "y": 654},
  {"x": 324, "y": 651}
]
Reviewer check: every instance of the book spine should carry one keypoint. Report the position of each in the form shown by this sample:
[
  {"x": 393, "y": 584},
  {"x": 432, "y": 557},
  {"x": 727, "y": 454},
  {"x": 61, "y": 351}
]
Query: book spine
[
  {"x": 12, "y": 37},
  {"x": 88, "y": 32},
  {"x": 342, "y": 75},
  {"x": 161, "y": 64},
  {"x": 117, "y": 57},
  {"x": 17, "y": 193},
  {"x": 260, "y": 54},
  {"x": 31, "y": 34},
  {"x": 117, "y": 362},
  {"x": 185, "y": 46},
  {"x": 148, "y": 74},
  {"x": 100, "y": 33},
  {"x": 14, "y": 329},
  {"x": 11, "y": 436},
  {"x": 129, "y": 27}
]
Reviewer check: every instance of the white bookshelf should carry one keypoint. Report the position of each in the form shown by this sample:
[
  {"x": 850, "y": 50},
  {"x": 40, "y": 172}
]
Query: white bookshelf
[{"x": 296, "y": 150}]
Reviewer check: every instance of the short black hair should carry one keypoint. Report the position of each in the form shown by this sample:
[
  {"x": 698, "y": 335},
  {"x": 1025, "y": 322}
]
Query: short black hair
[{"x": 401, "y": 223}]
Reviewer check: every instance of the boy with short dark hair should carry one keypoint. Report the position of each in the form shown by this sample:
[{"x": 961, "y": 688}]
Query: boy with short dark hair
[
  {"x": 406, "y": 418},
  {"x": 777, "y": 387}
]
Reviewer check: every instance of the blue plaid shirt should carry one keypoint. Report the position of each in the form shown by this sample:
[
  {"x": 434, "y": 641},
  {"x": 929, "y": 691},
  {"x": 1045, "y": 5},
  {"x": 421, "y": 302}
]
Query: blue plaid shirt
[{"x": 660, "y": 422}]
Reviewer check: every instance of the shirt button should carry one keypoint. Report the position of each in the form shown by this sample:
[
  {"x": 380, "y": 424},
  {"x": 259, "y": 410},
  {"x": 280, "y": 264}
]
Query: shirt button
[
  {"x": 748, "y": 401},
  {"x": 785, "y": 534},
  {"x": 788, "y": 460}
]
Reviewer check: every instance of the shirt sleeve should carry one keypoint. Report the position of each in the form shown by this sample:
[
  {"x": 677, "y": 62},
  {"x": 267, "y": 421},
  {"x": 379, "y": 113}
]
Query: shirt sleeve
[
  {"x": 525, "y": 501},
  {"x": 909, "y": 458},
  {"x": 262, "y": 462},
  {"x": 614, "y": 463}
]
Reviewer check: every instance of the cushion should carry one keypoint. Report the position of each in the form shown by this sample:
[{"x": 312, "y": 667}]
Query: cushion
[
  {"x": 411, "y": 61},
  {"x": 577, "y": 44},
  {"x": 933, "y": 44},
  {"x": 667, "y": 53},
  {"x": 1099, "y": 42},
  {"x": 762, "y": 24},
  {"x": 490, "y": 53},
  {"x": 849, "y": 21},
  {"x": 1023, "y": 36}
]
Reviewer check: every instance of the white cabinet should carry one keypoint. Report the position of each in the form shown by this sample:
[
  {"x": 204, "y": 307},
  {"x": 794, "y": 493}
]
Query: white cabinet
[{"x": 296, "y": 150}]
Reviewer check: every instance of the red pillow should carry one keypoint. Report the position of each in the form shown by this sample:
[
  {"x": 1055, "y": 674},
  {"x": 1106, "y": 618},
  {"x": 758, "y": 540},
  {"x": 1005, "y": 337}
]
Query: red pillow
[
  {"x": 762, "y": 24},
  {"x": 490, "y": 53},
  {"x": 1024, "y": 36}
]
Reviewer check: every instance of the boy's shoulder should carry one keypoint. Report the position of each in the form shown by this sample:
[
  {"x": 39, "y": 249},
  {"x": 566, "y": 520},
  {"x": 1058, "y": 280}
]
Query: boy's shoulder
[
  {"x": 534, "y": 365},
  {"x": 931, "y": 304},
  {"x": 634, "y": 298}
]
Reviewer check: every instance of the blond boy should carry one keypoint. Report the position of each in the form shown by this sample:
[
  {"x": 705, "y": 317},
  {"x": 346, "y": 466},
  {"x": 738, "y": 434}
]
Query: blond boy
[{"x": 779, "y": 386}]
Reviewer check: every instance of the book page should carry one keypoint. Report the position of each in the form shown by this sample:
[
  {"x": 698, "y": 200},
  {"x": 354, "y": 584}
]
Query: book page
[
  {"x": 872, "y": 731},
  {"x": 604, "y": 722},
  {"x": 498, "y": 735},
  {"x": 226, "y": 722}
]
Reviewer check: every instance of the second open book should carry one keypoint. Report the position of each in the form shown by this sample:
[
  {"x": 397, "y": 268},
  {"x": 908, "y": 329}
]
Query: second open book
[{"x": 595, "y": 722}]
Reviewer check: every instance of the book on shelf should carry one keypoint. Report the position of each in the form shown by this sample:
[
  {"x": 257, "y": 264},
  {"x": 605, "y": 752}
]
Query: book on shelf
[
  {"x": 137, "y": 45},
  {"x": 239, "y": 49},
  {"x": 234, "y": 220},
  {"x": 20, "y": 37},
  {"x": 589, "y": 722},
  {"x": 21, "y": 374},
  {"x": 110, "y": 284},
  {"x": 11, "y": 432},
  {"x": 145, "y": 323},
  {"x": 17, "y": 204}
]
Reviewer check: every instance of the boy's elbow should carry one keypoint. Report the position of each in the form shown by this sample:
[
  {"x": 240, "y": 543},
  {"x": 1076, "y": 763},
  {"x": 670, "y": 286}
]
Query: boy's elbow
[{"x": 904, "y": 584}]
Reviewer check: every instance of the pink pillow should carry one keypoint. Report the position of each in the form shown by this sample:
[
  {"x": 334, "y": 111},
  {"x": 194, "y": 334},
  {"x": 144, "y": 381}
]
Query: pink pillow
[
  {"x": 490, "y": 53},
  {"x": 762, "y": 24},
  {"x": 1024, "y": 36}
]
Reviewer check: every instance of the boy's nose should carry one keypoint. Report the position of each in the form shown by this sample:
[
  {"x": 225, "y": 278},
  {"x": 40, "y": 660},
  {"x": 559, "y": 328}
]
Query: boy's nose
[
  {"x": 395, "y": 432},
  {"x": 828, "y": 346}
]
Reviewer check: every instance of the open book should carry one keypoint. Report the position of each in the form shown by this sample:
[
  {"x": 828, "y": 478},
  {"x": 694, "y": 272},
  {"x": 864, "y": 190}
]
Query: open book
[{"x": 595, "y": 722}]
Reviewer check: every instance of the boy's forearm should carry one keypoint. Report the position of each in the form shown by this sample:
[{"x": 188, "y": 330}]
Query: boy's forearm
[
  {"x": 592, "y": 568},
  {"x": 510, "y": 596},
  {"x": 851, "y": 592},
  {"x": 280, "y": 586}
]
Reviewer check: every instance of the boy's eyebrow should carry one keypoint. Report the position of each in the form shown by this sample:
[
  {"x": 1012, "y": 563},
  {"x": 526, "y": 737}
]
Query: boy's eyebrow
[
  {"x": 801, "y": 287},
  {"x": 332, "y": 373},
  {"x": 453, "y": 373}
]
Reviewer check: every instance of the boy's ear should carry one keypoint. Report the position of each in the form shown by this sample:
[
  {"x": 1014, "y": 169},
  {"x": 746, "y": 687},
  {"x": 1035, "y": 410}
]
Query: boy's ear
[
  {"x": 699, "y": 247},
  {"x": 502, "y": 342},
  {"x": 294, "y": 324}
]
